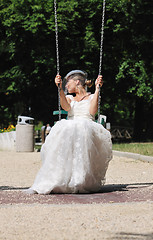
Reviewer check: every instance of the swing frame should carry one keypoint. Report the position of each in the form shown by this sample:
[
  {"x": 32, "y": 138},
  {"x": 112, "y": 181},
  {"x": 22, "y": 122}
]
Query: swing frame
[{"x": 58, "y": 62}]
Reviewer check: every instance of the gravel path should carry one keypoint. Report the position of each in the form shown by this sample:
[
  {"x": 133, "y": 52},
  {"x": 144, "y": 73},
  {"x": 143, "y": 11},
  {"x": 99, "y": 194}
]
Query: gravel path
[{"x": 31, "y": 217}]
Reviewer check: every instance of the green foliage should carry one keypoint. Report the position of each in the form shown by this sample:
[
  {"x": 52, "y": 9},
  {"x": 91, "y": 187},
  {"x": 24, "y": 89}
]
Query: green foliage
[
  {"x": 13, "y": 79},
  {"x": 135, "y": 74}
]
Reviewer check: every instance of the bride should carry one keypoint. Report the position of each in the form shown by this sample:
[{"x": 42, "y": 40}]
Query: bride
[{"x": 77, "y": 151}]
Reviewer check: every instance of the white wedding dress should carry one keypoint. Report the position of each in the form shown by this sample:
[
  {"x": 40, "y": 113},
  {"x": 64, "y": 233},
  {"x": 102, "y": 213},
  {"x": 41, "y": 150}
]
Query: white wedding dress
[{"x": 75, "y": 155}]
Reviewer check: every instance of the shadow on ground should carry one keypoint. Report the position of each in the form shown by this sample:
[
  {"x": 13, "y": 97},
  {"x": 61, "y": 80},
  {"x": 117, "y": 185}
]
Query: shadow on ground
[
  {"x": 106, "y": 188},
  {"x": 132, "y": 236},
  {"x": 110, "y": 193}
]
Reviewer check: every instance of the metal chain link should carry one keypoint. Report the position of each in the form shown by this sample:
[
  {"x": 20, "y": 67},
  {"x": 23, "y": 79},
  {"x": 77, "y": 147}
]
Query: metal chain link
[
  {"x": 101, "y": 55},
  {"x": 57, "y": 56}
]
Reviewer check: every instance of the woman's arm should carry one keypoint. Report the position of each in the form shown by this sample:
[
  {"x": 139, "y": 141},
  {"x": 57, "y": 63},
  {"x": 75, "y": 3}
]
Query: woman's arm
[
  {"x": 65, "y": 102},
  {"x": 94, "y": 102}
]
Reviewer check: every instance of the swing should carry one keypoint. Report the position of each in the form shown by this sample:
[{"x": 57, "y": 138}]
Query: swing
[{"x": 59, "y": 112}]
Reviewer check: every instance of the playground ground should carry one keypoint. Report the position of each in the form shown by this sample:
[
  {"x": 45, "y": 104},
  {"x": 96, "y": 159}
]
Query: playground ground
[{"x": 122, "y": 210}]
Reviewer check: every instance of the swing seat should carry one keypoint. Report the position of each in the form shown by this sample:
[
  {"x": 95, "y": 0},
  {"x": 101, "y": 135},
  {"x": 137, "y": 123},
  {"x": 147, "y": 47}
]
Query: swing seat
[
  {"x": 62, "y": 112},
  {"x": 103, "y": 119},
  {"x": 65, "y": 113}
]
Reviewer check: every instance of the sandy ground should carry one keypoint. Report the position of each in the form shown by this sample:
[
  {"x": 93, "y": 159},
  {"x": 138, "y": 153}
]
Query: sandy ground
[{"x": 132, "y": 220}]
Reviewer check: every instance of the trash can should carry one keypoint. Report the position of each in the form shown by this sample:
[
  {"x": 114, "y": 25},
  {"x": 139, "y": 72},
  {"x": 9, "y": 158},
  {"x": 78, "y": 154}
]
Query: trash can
[{"x": 25, "y": 134}]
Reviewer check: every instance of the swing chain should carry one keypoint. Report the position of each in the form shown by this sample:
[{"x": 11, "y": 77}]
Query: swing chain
[
  {"x": 56, "y": 37},
  {"x": 59, "y": 103},
  {"x": 99, "y": 101},
  {"x": 57, "y": 56},
  {"x": 101, "y": 56},
  {"x": 102, "y": 38}
]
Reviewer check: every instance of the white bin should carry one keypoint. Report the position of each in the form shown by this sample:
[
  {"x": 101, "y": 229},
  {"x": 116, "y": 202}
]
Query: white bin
[{"x": 25, "y": 134}]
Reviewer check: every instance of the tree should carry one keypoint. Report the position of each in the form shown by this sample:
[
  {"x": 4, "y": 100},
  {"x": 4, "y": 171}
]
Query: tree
[
  {"x": 135, "y": 74},
  {"x": 30, "y": 64}
]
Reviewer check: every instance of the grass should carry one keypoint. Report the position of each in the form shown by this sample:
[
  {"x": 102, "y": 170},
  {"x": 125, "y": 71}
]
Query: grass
[{"x": 140, "y": 148}]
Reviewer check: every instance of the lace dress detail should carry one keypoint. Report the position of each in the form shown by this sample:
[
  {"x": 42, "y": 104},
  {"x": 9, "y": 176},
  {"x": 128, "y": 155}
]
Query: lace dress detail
[{"x": 75, "y": 155}]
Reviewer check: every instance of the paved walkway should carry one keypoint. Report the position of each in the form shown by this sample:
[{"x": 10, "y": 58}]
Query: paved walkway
[{"x": 122, "y": 210}]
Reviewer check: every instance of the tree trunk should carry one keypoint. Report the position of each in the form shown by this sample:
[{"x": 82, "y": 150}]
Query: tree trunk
[{"x": 138, "y": 134}]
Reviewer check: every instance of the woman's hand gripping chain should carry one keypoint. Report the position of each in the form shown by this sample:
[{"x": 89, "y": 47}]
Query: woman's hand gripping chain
[
  {"x": 99, "y": 82},
  {"x": 58, "y": 81}
]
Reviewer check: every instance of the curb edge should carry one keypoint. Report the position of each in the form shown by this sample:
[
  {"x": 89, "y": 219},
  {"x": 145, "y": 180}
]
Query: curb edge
[{"x": 134, "y": 156}]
